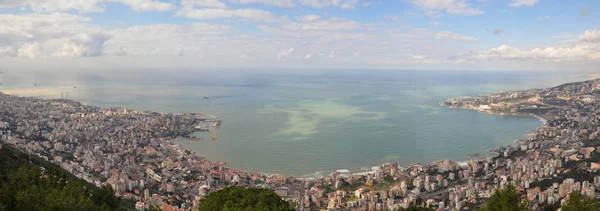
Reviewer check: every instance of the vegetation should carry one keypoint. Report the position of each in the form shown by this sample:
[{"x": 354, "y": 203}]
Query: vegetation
[
  {"x": 577, "y": 202},
  {"x": 33, "y": 184},
  {"x": 244, "y": 199},
  {"x": 506, "y": 199}
]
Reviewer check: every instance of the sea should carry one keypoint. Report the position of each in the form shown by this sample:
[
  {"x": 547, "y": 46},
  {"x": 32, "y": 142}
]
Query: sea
[{"x": 311, "y": 122}]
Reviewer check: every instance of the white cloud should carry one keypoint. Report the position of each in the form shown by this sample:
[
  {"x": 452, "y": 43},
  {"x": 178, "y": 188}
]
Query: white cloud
[
  {"x": 308, "y": 56},
  {"x": 540, "y": 18},
  {"x": 189, "y": 4},
  {"x": 122, "y": 52},
  {"x": 590, "y": 36},
  {"x": 418, "y": 57},
  {"x": 84, "y": 6},
  {"x": 551, "y": 54},
  {"x": 433, "y": 23},
  {"x": 332, "y": 54},
  {"x": 28, "y": 33},
  {"x": 285, "y": 53},
  {"x": 31, "y": 51},
  {"x": 356, "y": 54},
  {"x": 345, "y": 4},
  {"x": 308, "y": 18},
  {"x": 216, "y": 13},
  {"x": 331, "y": 24},
  {"x": 164, "y": 39},
  {"x": 83, "y": 45},
  {"x": 586, "y": 48},
  {"x": 146, "y": 5},
  {"x": 453, "y": 36},
  {"x": 8, "y": 51},
  {"x": 391, "y": 17},
  {"x": 277, "y": 3},
  {"x": 518, "y": 3},
  {"x": 456, "y": 7}
]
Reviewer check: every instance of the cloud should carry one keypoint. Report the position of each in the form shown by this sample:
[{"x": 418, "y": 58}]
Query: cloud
[
  {"x": 216, "y": 13},
  {"x": 190, "y": 4},
  {"x": 586, "y": 48},
  {"x": 331, "y": 24},
  {"x": 391, "y": 17},
  {"x": 31, "y": 51},
  {"x": 277, "y": 3},
  {"x": 455, "y": 7},
  {"x": 308, "y": 56},
  {"x": 164, "y": 39},
  {"x": 548, "y": 54},
  {"x": 590, "y": 36},
  {"x": 584, "y": 11},
  {"x": 308, "y": 18},
  {"x": 344, "y": 4},
  {"x": 84, "y": 6},
  {"x": 453, "y": 36},
  {"x": 123, "y": 52},
  {"x": 285, "y": 53},
  {"x": 418, "y": 57},
  {"x": 433, "y": 23},
  {"x": 498, "y": 31},
  {"x": 8, "y": 51},
  {"x": 81, "y": 6},
  {"x": 146, "y": 5},
  {"x": 356, "y": 54},
  {"x": 83, "y": 45},
  {"x": 518, "y": 3},
  {"x": 541, "y": 18},
  {"x": 28, "y": 33}
]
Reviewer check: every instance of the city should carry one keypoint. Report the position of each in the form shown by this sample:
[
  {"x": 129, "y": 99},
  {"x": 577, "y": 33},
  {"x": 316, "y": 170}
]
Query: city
[{"x": 134, "y": 152}]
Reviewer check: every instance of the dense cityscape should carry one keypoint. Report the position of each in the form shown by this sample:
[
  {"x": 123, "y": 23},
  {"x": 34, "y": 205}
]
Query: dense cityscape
[{"x": 135, "y": 152}]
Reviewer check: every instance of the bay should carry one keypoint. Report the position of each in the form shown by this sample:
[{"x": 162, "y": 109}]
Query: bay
[{"x": 308, "y": 123}]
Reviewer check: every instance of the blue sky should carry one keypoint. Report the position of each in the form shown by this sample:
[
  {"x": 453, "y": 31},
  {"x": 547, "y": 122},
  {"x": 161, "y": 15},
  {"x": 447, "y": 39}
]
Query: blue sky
[{"x": 393, "y": 34}]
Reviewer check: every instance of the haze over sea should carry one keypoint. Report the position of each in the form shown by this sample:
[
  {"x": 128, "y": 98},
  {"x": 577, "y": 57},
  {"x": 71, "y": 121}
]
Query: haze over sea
[{"x": 308, "y": 123}]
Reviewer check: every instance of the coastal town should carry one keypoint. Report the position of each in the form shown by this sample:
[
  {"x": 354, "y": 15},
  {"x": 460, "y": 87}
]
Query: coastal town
[{"x": 136, "y": 153}]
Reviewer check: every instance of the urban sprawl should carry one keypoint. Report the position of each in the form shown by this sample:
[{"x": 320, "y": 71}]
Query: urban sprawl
[{"x": 136, "y": 153}]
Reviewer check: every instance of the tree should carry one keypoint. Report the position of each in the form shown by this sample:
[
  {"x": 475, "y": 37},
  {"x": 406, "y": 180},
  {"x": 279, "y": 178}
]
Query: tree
[
  {"x": 506, "y": 199},
  {"x": 577, "y": 202},
  {"x": 105, "y": 197},
  {"x": 28, "y": 188},
  {"x": 243, "y": 199}
]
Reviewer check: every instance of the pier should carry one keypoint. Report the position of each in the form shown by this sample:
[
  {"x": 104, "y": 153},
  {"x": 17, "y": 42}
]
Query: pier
[{"x": 212, "y": 135}]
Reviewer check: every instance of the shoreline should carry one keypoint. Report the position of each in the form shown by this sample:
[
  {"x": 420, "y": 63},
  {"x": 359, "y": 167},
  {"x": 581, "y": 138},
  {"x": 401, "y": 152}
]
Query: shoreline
[{"x": 345, "y": 172}]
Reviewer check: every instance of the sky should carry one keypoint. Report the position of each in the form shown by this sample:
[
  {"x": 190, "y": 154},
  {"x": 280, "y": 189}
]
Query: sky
[{"x": 482, "y": 35}]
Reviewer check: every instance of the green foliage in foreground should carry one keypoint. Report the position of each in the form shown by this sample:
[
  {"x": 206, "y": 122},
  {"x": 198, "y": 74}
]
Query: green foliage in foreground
[
  {"x": 243, "y": 199},
  {"x": 506, "y": 199},
  {"x": 577, "y": 202},
  {"x": 24, "y": 186},
  {"x": 26, "y": 189}
]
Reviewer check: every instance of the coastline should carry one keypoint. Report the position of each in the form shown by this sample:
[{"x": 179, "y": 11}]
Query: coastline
[{"x": 178, "y": 142}]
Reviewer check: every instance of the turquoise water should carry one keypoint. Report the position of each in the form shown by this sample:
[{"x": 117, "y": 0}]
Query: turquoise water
[{"x": 310, "y": 124}]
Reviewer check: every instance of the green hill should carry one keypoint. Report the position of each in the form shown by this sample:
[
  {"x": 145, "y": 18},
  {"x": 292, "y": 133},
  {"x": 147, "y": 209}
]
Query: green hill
[{"x": 30, "y": 183}]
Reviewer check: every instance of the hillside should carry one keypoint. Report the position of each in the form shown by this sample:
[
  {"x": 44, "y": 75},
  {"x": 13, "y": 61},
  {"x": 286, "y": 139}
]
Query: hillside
[{"x": 30, "y": 183}]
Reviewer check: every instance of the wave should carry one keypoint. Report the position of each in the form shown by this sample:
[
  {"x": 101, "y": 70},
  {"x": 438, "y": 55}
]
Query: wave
[
  {"x": 315, "y": 175},
  {"x": 343, "y": 171}
]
